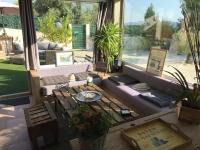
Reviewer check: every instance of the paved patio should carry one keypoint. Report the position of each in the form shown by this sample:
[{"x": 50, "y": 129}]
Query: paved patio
[{"x": 13, "y": 130}]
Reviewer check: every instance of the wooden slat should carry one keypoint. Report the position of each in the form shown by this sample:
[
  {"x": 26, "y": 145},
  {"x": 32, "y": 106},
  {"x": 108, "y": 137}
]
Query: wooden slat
[
  {"x": 43, "y": 121},
  {"x": 65, "y": 104},
  {"x": 34, "y": 108},
  {"x": 35, "y": 120},
  {"x": 68, "y": 97},
  {"x": 37, "y": 111},
  {"x": 50, "y": 111},
  {"x": 76, "y": 89},
  {"x": 116, "y": 117},
  {"x": 115, "y": 108},
  {"x": 109, "y": 110},
  {"x": 116, "y": 104},
  {"x": 38, "y": 115},
  {"x": 97, "y": 108},
  {"x": 71, "y": 91}
]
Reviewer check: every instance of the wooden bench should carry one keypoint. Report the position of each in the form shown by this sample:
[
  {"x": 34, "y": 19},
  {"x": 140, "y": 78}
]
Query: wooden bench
[{"x": 41, "y": 121}]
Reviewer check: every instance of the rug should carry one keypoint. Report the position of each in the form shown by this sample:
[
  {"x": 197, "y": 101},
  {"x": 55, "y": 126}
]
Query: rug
[{"x": 16, "y": 101}]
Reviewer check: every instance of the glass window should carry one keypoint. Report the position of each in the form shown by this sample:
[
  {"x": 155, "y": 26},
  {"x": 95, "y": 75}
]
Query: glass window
[
  {"x": 65, "y": 26},
  {"x": 154, "y": 23}
]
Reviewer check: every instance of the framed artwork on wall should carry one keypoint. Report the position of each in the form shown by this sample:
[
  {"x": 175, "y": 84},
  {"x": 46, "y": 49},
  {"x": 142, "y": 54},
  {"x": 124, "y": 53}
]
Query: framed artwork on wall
[
  {"x": 64, "y": 58},
  {"x": 156, "y": 61}
]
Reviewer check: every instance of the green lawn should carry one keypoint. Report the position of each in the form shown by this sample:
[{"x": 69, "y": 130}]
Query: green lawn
[{"x": 13, "y": 78}]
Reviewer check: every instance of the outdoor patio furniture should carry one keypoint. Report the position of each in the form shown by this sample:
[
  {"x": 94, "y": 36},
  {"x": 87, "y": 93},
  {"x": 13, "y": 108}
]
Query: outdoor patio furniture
[
  {"x": 17, "y": 59},
  {"x": 6, "y": 43},
  {"x": 65, "y": 97},
  {"x": 41, "y": 73},
  {"x": 133, "y": 97},
  {"x": 41, "y": 121}
]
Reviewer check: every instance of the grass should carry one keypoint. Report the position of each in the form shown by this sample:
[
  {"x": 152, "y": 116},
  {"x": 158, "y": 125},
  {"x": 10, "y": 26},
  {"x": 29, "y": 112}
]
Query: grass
[{"x": 13, "y": 78}]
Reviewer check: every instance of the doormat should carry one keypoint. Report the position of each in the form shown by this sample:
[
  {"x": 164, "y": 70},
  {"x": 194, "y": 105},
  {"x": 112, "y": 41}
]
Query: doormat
[{"x": 16, "y": 101}]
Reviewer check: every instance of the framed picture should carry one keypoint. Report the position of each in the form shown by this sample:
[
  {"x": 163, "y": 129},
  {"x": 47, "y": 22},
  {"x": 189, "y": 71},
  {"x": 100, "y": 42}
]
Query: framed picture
[
  {"x": 64, "y": 58},
  {"x": 156, "y": 61}
]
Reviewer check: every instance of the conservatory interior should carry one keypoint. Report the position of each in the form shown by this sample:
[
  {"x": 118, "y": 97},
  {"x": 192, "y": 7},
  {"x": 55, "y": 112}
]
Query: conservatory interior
[{"x": 101, "y": 75}]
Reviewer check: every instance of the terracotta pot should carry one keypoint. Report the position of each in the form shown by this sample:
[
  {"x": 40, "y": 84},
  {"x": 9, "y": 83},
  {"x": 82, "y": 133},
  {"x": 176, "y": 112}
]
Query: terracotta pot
[
  {"x": 90, "y": 144},
  {"x": 188, "y": 114}
]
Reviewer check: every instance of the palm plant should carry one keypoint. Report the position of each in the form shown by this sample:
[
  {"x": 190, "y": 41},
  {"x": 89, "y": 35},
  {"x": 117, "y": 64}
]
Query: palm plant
[
  {"x": 191, "y": 13},
  {"x": 108, "y": 40}
]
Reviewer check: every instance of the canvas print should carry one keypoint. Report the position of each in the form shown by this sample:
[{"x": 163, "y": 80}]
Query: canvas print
[
  {"x": 64, "y": 58},
  {"x": 156, "y": 61}
]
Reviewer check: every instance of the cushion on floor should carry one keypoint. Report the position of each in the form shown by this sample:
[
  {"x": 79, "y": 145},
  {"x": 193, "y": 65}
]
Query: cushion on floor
[{"x": 123, "y": 80}]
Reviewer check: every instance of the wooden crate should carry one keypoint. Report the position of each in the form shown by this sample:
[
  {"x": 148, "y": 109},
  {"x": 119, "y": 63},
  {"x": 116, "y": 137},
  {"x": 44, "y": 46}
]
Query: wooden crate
[{"x": 41, "y": 121}]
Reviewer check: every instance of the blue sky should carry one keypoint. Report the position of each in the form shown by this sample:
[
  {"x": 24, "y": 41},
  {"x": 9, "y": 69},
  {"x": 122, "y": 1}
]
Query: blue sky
[
  {"x": 135, "y": 9},
  {"x": 10, "y": 1},
  {"x": 165, "y": 9}
]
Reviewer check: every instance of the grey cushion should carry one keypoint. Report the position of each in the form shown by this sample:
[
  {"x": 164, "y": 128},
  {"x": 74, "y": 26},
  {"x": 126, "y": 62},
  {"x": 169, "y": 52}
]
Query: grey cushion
[
  {"x": 123, "y": 80},
  {"x": 53, "y": 80},
  {"x": 140, "y": 87},
  {"x": 83, "y": 75},
  {"x": 52, "y": 46},
  {"x": 158, "y": 98},
  {"x": 19, "y": 49},
  {"x": 43, "y": 45}
]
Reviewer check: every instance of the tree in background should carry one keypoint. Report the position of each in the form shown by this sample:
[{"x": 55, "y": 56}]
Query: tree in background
[
  {"x": 60, "y": 34},
  {"x": 192, "y": 8},
  {"x": 150, "y": 12},
  {"x": 90, "y": 14},
  {"x": 77, "y": 12},
  {"x": 60, "y": 7},
  {"x": 167, "y": 30}
]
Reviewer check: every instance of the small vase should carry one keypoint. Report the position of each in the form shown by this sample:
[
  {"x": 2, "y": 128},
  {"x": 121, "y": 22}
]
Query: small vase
[{"x": 92, "y": 144}]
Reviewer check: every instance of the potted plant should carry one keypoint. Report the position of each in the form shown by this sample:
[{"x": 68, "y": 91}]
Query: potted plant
[
  {"x": 108, "y": 40},
  {"x": 92, "y": 127},
  {"x": 189, "y": 106},
  {"x": 188, "y": 102}
]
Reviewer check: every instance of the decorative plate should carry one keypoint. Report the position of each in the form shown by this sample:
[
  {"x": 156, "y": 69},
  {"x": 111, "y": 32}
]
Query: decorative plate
[{"x": 88, "y": 96}]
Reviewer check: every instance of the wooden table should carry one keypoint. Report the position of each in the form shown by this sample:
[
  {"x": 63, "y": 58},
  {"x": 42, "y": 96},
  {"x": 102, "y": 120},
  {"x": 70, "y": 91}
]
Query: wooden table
[
  {"x": 114, "y": 141},
  {"x": 65, "y": 97}
]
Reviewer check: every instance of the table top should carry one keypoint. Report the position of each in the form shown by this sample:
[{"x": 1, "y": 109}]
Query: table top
[
  {"x": 108, "y": 104},
  {"x": 114, "y": 140}
]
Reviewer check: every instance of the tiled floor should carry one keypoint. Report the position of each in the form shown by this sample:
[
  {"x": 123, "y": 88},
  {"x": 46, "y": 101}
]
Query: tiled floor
[{"x": 13, "y": 130}]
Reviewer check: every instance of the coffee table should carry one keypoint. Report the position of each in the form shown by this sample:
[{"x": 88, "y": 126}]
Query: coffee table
[{"x": 65, "y": 97}]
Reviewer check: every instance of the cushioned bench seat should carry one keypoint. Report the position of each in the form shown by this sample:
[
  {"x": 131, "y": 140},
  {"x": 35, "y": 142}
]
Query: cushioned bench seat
[
  {"x": 50, "y": 83},
  {"x": 132, "y": 96},
  {"x": 50, "y": 78}
]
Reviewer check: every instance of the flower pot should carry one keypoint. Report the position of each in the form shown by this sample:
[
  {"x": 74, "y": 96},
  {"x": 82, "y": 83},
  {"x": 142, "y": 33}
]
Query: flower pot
[
  {"x": 92, "y": 144},
  {"x": 188, "y": 114}
]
